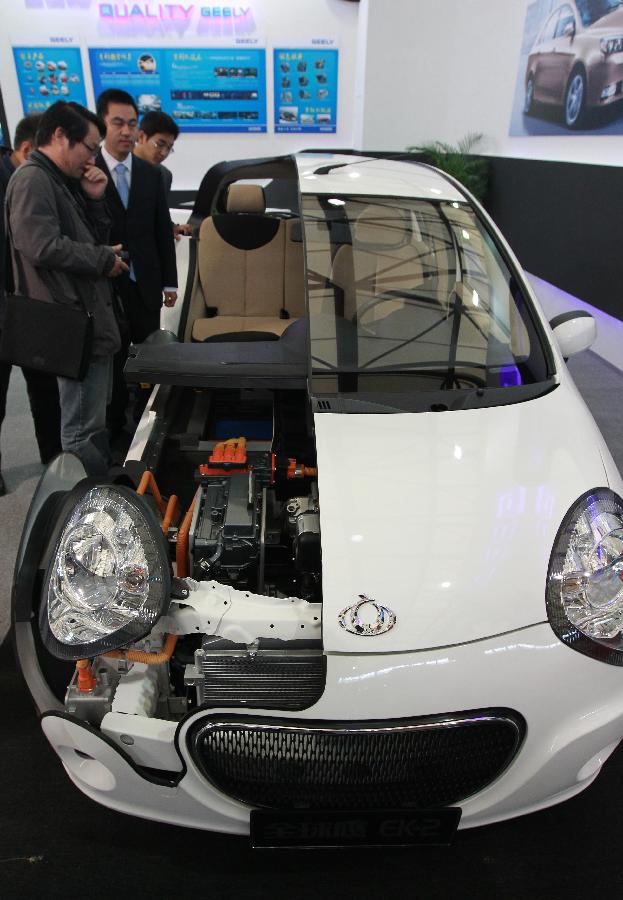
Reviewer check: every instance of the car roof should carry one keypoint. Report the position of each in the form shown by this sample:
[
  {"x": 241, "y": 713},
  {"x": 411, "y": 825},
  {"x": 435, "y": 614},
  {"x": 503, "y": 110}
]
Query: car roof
[{"x": 340, "y": 173}]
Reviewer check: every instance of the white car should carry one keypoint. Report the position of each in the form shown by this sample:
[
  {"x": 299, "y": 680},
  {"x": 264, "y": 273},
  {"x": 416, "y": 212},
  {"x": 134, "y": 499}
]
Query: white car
[{"x": 359, "y": 580}]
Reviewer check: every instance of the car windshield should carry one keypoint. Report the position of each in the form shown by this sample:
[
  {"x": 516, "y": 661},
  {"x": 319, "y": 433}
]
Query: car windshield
[
  {"x": 592, "y": 10},
  {"x": 411, "y": 295}
]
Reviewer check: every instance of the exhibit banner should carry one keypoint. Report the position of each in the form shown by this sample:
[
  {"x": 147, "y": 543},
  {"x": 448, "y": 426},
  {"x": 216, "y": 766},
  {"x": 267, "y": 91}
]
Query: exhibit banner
[
  {"x": 203, "y": 89},
  {"x": 47, "y": 74},
  {"x": 306, "y": 85},
  {"x": 570, "y": 75}
]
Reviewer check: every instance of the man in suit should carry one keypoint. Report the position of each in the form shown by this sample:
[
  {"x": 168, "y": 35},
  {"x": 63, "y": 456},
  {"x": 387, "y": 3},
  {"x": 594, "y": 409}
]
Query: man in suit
[
  {"x": 141, "y": 223},
  {"x": 157, "y": 134},
  {"x": 42, "y": 388}
]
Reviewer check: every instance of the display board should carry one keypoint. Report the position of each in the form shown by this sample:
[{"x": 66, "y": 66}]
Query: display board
[
  {"x": 203, "y": 89},
  {"x": 305, "y": 84},
  {"x": 46, "y": 74}
]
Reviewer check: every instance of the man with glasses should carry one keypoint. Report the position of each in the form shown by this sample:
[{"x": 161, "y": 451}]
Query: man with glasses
[
  {"x": 142, "y": 224},
  {"x": 42, "y": 387},
  {"x": 157, "y": 134},
  {"x": 61, "y": 252}
]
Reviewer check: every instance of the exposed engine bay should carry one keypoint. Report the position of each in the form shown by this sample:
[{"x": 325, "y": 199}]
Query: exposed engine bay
[{"x": 243, "y": 627}]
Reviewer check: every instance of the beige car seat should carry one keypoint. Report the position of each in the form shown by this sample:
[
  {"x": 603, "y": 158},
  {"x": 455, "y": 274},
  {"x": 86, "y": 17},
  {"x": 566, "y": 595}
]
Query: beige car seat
[{"x": 249, "y": 271}]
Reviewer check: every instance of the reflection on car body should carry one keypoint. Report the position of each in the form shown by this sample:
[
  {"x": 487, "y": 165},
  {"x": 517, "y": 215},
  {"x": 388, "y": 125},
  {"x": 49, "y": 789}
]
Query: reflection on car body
[
  {"x": 352, "y": 554},
  {"x": 576, "y": 62}
]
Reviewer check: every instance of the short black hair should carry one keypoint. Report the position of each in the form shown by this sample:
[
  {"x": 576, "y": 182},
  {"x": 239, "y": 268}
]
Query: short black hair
[
  {"x": 72, "y": 118},
  {"x": 26, "y": 130},
  {"x": 158, "y": 123},
  {"x": 114, "y": 95}
]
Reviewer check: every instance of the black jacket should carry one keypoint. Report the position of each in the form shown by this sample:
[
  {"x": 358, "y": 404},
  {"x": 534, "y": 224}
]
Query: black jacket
[
  {"x": 60, "y": 246},
  {"x": 144, "y": 229},
  {"x": 6, "y": 170}
]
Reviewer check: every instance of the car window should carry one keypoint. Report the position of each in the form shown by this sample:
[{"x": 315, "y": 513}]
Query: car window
[
  {"x": 566, "y": 18},
  {"x": 414, "y": 288},
  {"x": 592, "y": 10},
  {"x": 549, "y": 29}
]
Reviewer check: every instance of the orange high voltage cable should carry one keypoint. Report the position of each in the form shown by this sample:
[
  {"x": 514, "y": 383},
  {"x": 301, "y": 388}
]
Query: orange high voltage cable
[
  {"x": 142, "y": 656},
  {"x": 169, "y": 512},
  {"x": 181, "y": 550},
  {"x": 86, "y": 679}
]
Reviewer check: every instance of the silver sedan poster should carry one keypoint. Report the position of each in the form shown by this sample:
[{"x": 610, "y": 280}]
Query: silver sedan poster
[{"x": 570, "y": 77}]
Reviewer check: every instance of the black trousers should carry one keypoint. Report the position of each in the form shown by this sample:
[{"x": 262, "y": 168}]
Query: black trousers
[
  {"x": 44, "y": 406},
  {"x": 140, "y": 322}
]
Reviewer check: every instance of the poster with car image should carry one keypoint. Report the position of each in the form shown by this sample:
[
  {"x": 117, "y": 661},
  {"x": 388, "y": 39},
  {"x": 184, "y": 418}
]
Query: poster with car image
[
  {"x": 570, "y": 75},
  {"x": 48, "y": 74},
  {"x": 202, "y": 89},
  {"x": 305, "y": 90}
]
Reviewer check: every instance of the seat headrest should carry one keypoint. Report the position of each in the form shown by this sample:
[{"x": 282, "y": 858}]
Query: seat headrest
[
  {"x": 246, "y": 198},
  {"x": 382, "y": 227}
]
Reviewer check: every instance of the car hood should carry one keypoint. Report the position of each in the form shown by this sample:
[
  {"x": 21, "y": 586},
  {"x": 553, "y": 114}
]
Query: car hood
[
  {"x": 605, "y": 26},
  {"x": 448, "y": 519}
]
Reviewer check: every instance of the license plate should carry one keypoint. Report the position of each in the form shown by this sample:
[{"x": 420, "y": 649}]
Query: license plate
[{"x": 355, "y": 828}]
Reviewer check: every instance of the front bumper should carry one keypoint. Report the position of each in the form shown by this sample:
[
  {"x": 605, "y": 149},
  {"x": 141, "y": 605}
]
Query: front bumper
[
  {"x": 572, "y": 706},
  {"x": 606, "y": 81}
]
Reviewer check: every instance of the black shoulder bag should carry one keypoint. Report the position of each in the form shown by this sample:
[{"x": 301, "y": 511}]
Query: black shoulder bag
[{"x": 44, "y": 335}]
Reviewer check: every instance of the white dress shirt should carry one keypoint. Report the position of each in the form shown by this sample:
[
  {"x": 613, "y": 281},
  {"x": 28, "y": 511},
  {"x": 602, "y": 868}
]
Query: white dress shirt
[{"x": 111, "y": 162}]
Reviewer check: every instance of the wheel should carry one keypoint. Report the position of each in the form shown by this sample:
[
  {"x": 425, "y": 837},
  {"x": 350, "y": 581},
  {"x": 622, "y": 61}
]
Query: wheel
[
  {"x": 575, "y": 100},
  {"x": 528, "y": 103}
]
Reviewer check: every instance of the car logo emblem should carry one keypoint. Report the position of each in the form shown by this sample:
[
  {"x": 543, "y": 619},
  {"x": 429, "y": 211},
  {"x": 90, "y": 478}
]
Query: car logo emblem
[{"x": 367, "y": 618}]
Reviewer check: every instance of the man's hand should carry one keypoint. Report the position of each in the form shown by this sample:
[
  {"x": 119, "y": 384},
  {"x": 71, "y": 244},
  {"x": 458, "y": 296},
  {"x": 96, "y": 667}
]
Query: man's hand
[
  {"x": 170, "y": 297},
  {"x": 179, "y": 230},
  {"x": 119, "y": 267},
  {"x": 94, "y": 182}
]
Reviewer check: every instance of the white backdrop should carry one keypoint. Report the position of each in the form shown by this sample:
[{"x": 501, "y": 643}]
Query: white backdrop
[{"x": 279, "y": 24}]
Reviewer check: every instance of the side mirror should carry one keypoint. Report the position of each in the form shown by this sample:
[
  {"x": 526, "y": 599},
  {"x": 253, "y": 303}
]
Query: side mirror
[
  {"x": 569, "y": 30},
  {"x": 574, "y": 331}
]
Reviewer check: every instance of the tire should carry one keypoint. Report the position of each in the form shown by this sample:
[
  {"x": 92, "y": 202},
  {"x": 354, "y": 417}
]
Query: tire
[
  {"x": 528, "y": 103},
  {"x": 574, "y": 110}
]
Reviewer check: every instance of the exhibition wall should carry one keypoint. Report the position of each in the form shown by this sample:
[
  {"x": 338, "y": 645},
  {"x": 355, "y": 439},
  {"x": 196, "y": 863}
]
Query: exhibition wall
[{"x": 260, "y": 78}]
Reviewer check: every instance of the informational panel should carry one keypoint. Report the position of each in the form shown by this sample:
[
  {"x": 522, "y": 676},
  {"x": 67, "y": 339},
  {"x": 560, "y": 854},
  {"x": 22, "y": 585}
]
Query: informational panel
[
  {"x": 305, "y": 89},
  {"x": 48, "y": 74},
  {"x": 202, "y": 89}
]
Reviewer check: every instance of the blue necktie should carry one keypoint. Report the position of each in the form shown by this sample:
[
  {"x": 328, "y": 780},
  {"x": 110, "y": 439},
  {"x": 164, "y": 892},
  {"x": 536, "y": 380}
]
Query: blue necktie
[{"x": 123, "y": 189}]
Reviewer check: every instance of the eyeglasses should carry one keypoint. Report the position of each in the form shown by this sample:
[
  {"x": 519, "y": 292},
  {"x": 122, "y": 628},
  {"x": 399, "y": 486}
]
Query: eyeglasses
[
  {"x": 92, "y": 150},
  {"x": 163, "y": 146}
]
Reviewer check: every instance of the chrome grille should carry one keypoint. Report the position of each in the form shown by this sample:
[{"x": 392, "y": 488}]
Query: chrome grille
[{"x": 353, "y": 765}]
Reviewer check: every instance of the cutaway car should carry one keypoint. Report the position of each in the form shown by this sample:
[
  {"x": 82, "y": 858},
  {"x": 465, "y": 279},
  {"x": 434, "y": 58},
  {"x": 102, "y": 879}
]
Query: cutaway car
[{"x": 359, "y": 578}]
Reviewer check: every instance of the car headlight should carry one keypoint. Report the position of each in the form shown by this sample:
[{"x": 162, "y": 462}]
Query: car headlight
[
  {"x": 584, "y": 593},
  {"x": 109, "y": 579},
  {"x": 611, "y": 45}
]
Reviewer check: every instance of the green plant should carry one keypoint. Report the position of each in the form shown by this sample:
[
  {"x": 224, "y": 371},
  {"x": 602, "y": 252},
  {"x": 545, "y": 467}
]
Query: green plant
[{"x": 459, "y": 161}]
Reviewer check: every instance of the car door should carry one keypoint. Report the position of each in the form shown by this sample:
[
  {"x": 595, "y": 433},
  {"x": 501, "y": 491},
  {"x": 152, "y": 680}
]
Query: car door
[
  {"x": 545, "y": 71},
  {"x": 563, "y": 55}
]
